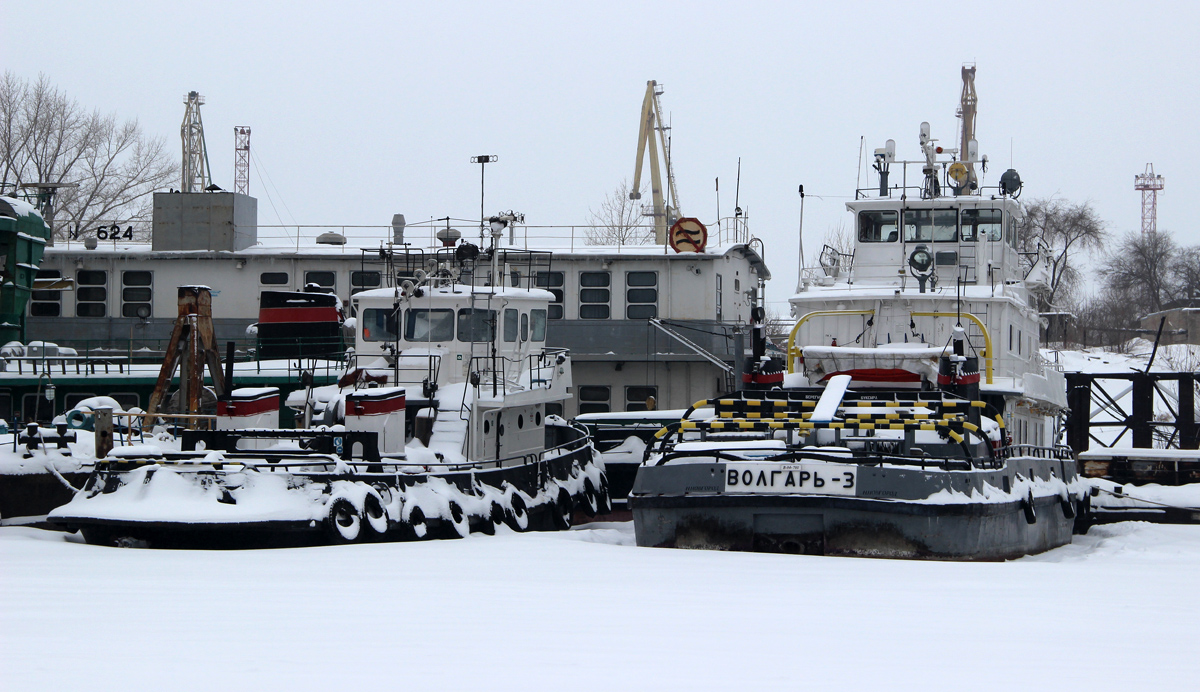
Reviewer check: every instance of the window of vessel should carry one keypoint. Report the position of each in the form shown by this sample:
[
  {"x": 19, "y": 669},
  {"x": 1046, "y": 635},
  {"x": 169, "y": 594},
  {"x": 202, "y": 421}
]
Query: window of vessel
[
  {"x": 939, "y": 225},
  {"x": 46, "y": 303},
  {"x": 981, "y": 224},
  {"x": 274, "y": 278},
  {"x": 594, "y": 295},
  {"x": 538, "y": 318},
  {"x": 638, "y": 398},
  {"x": 553, "y": 282},
  {"x": 476, "y": 325},
  {"x": 91, "y": 294},
  {"x": 137, "y": 294},
  {"x": 641, "y": 303},
  {"x": 425, "y": 324},
  {"x": 380, "y": 324},
  {"x": 594, "y": 398},
  {"x": 364, "y": 280},
  {"x": 878, "y": 226},
  {"x": 321, "y": 278},
  {"x": 510, "y": 324}
]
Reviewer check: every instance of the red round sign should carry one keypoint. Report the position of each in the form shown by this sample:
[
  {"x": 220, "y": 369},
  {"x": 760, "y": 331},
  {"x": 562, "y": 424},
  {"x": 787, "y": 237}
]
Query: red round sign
[{"x": 688, "y": 235}]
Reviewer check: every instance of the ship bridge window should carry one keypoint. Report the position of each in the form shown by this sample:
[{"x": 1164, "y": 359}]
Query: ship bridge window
[
  {"x": 476, "y": 325},
  {"x": 46, "y": 303},
  {"x": 380, "y": 324},
  {"x": 938, "y": 225},
  {"x": 424, "y": 324},
  {"x": 91, "y": 296},
  {"x": 538, "y": 317},
  {"x": 594, "y": 295},
  {"x": 878, "y": 226},
  {"x": 274, "y": 278},
  {"x": 510, "y": 324},
  {"x": 1011, "y": 231},
  {"x": 980, "y": 224},
  {"x": 553, "y": 282},
  {"x": 137, "y": 292}
]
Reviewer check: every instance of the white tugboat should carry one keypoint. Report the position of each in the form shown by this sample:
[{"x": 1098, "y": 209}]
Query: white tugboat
[
  {"x": 916, "y": 418},
  {"x": 441, "y": 429}
]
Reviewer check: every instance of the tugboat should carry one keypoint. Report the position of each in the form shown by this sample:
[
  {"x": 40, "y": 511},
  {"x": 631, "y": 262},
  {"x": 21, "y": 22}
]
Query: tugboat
[
  {"x": 442, "y": 430},
  {"x": 884, "y": 438}
]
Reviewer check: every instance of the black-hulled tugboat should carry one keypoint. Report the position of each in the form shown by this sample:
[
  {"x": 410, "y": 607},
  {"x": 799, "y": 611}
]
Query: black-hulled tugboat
[
  {"x": 441, "y": 429},
  {"x": 885, "y": 438}
]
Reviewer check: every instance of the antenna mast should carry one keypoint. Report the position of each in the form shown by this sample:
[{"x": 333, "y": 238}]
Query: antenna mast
[
  {"x": 195, "y": 154},
  {"x": 968, "y": 150},
  {"x": 1149, "y": 184},
  {"x": 653, "y": 133},
  {"x": 241, "y": 160}
]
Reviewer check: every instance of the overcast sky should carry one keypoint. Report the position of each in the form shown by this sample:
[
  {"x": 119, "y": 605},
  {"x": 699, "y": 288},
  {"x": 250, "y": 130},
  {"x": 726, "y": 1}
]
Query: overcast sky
[{"x": 363, "y": 110}]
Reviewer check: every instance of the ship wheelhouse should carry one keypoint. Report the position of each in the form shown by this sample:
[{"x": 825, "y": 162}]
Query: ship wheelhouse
[{"x": 923, "y": 262}]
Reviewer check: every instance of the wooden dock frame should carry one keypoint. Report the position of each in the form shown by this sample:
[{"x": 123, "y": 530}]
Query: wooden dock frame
[{"x": 192, "y": 348}]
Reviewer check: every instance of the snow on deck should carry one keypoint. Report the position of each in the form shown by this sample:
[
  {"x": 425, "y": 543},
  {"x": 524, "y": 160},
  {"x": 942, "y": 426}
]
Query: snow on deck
[{"x": 585, "y": 610}]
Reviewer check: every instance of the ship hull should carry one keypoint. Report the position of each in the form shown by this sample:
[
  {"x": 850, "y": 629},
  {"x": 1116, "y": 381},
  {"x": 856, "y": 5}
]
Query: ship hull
[{"x": 963, "y": 527}]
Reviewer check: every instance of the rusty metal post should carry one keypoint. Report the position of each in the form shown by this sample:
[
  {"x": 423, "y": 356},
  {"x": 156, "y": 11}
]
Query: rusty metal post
[{"x": 103, "y": 426}]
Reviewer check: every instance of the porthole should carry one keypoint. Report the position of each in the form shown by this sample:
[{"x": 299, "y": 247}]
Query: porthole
[
  {"x": 501, "y": 430},
  {"x": 487, "y": 427},
  {"x": 520, "y": 422},
  {"x": 537, "y": 418}
]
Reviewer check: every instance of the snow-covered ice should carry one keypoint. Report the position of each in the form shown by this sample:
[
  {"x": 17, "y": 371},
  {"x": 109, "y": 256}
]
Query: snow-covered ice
[{"x": 586, "y": 610}]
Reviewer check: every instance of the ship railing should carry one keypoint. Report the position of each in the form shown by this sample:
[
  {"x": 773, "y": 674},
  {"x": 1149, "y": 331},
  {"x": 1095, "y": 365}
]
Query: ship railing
[
  {"x": 1060, "y": 452},
  {"x": 535, "y": 370},
  {"x": 302, "y": 461},
  {"x": 568, "y": 237},
  {"x": 416, "y": 368},
  {"x": 93, "y": 357},
  {"x": 856, "y": 458},
  {"x": 921, "y": 189}
]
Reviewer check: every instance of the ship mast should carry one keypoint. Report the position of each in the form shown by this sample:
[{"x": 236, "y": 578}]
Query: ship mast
[{"x": 968, "y": 149}]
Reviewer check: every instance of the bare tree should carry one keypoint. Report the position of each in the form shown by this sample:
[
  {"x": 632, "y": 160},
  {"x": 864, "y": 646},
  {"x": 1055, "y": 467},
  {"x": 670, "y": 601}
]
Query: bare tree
[
  {"x": 840, "y": 238},
  {"x": 1141, "y": 269},
  {"x": 1066, "y": 229},
  {"x": 619, "y": 220},
  {"x": 48, "y": 137}
]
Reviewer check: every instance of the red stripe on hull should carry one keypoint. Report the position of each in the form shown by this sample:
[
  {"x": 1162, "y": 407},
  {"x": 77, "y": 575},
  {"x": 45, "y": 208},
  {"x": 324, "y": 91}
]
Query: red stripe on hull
[
  {"x": 248, "y": 408},
  {"x": 878, "y": 375},
  {"x": 373, "y": 407}
]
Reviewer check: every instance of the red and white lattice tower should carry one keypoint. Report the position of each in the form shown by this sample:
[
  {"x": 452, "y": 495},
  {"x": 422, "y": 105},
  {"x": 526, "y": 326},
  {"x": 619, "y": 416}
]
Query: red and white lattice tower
[
  {"x": 1149, "y": 184},
  {"x": 241, "y": 160}
]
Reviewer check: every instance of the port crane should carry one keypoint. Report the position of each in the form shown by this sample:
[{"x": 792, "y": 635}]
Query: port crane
[{"x": 652, "y": 133}]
